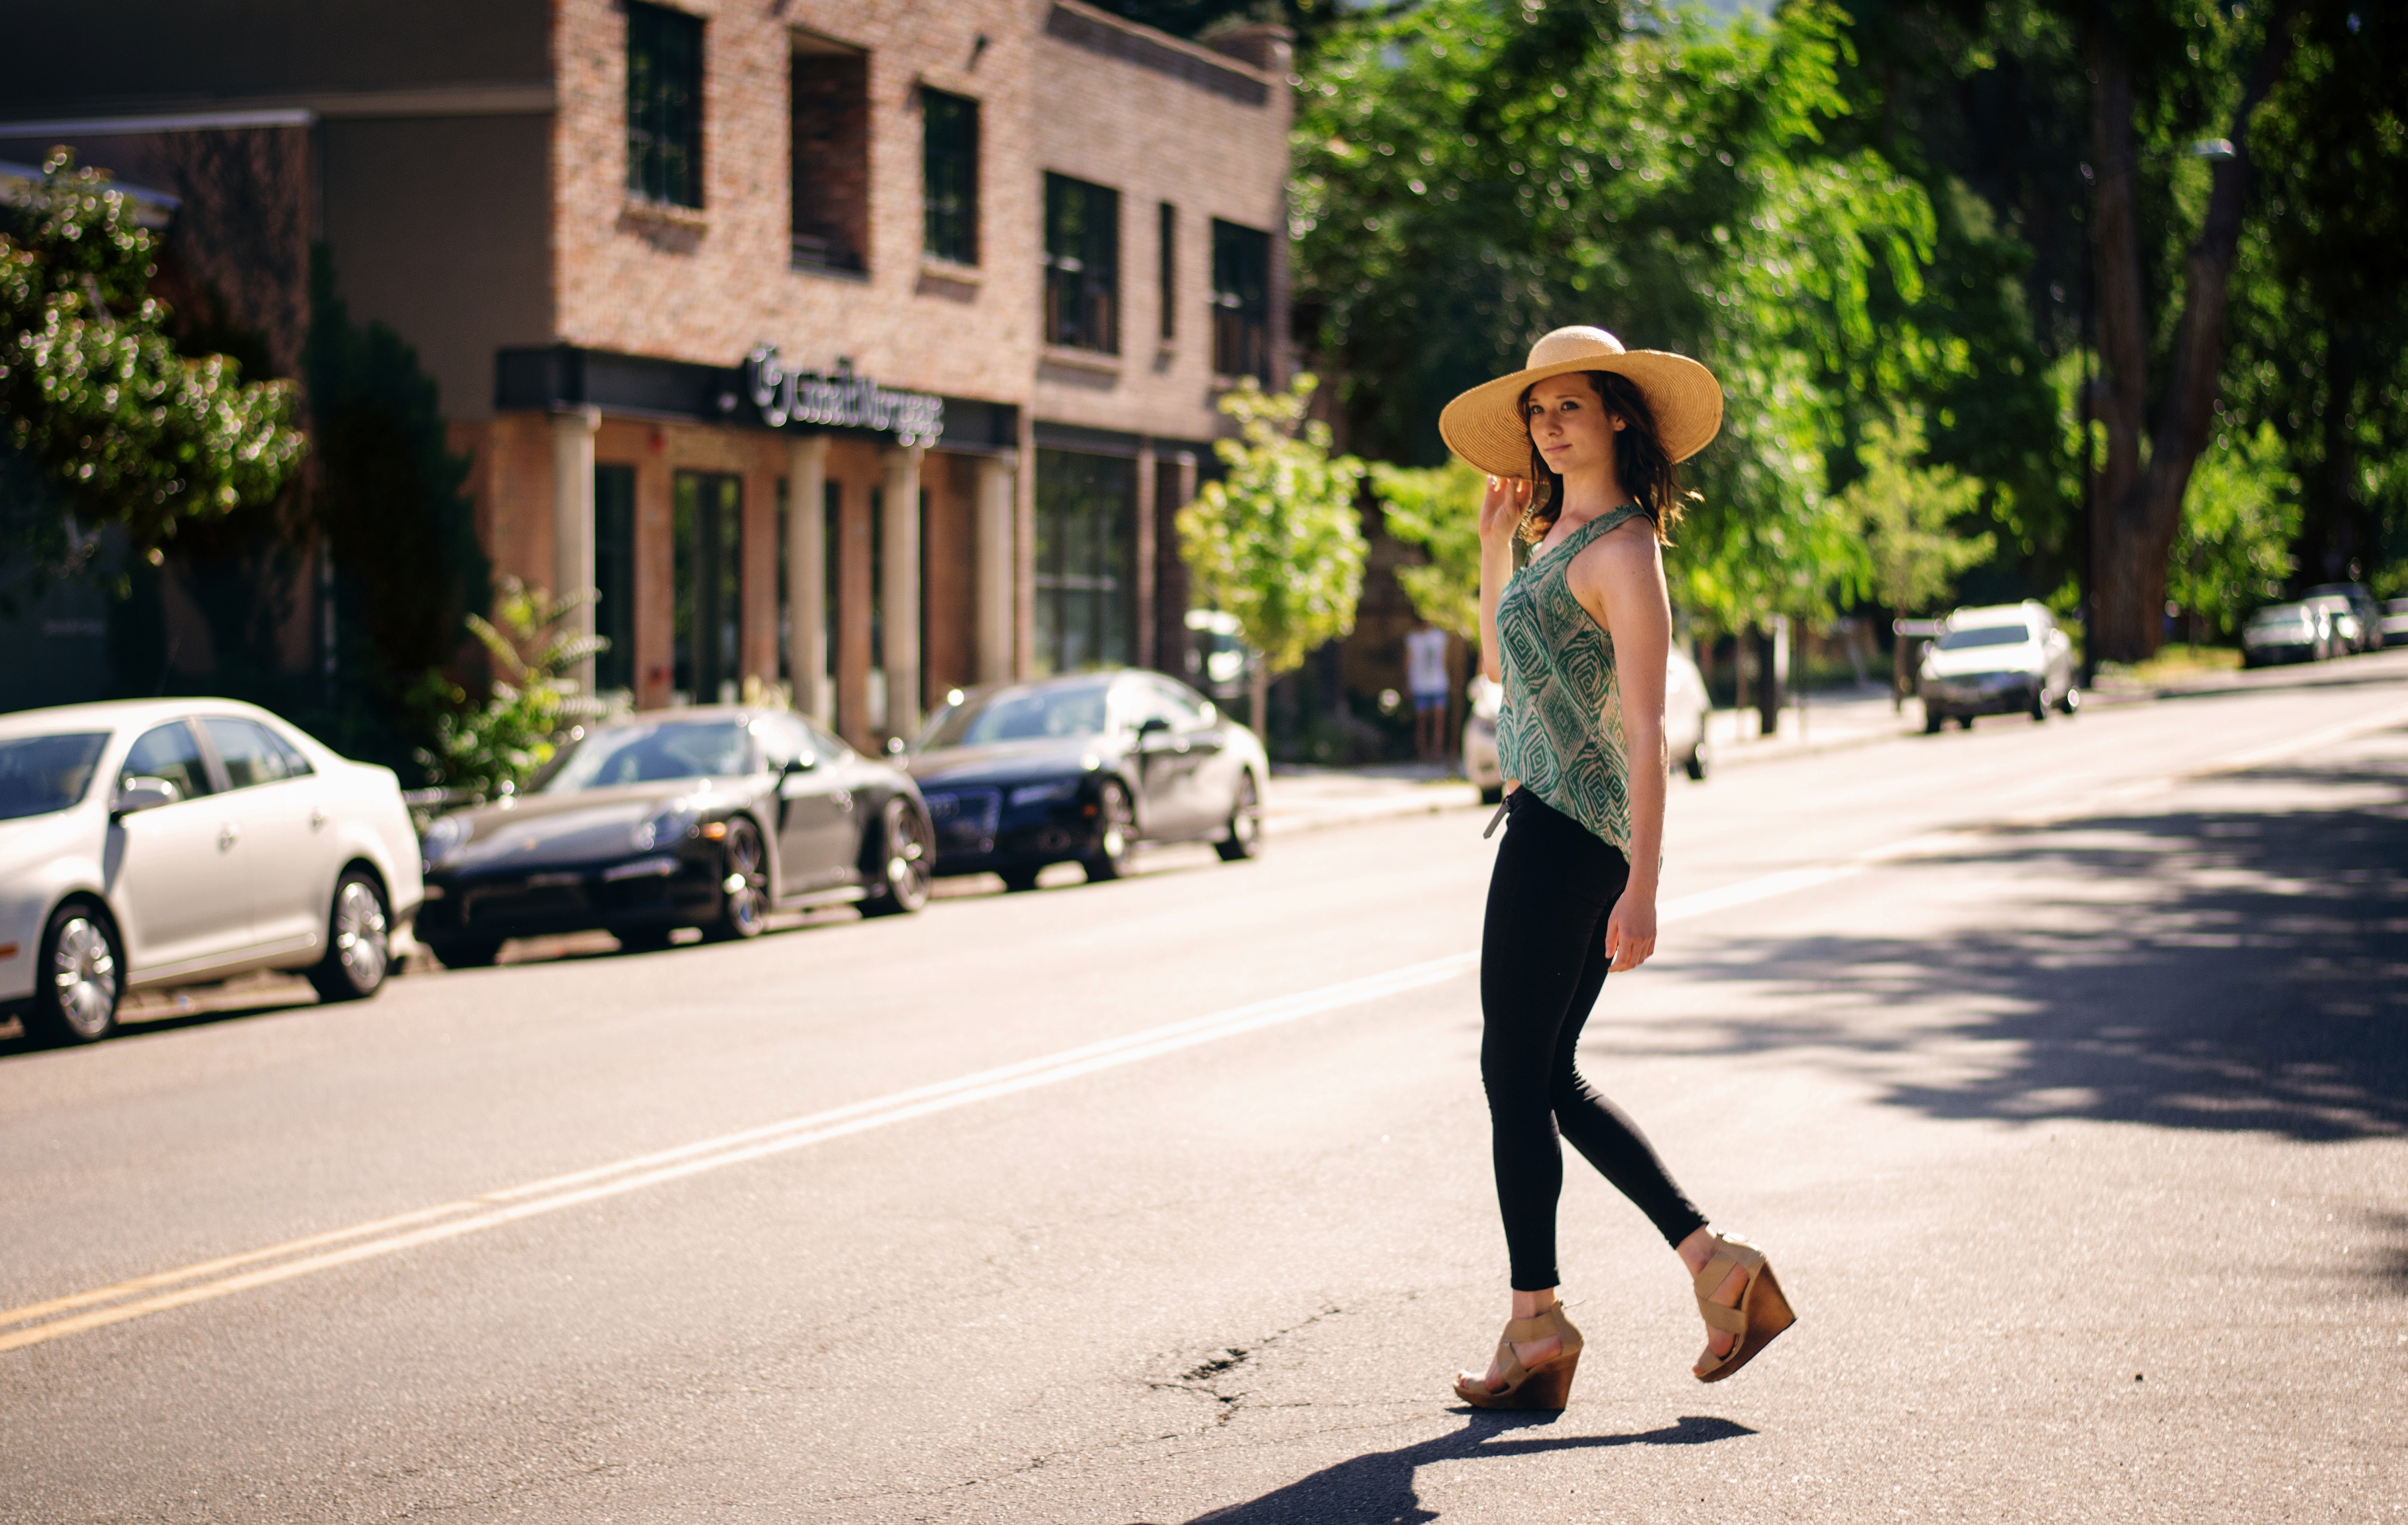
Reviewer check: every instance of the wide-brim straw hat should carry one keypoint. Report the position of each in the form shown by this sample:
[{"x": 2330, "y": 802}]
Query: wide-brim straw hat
[{"x": 1484, "y": 426}]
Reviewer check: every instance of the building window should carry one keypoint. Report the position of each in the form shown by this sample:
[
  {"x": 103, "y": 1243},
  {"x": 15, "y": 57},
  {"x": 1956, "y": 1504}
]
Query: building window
[
  {"x": 614, "y": 576},
  {"x": 664, "y": 105},
  {"x": 1167, "y": 254},
  {"x": 948, "y": 175},
  {"x": 707, "y": 532},
  {"x": 1241, "y": 301},
  {"x": 1082, "y": 265},
  {"x": 831, "y": 155},
  {"x": 1086, "y": 523}
]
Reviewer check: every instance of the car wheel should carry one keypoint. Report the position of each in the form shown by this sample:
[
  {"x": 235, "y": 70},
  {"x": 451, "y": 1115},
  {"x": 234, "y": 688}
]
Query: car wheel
[
  {"x": 79, "y": 979},
  {"x": 479, "y": 953},
  {"x": 1245, "y": 829},
  {"x": 2071, "y": 699},
  {"x": 1701, "y": 756},
  {"x": 359, "y": 941},
  {"x": 1964, "y": 722},
  {"x": 910, "y": 854},
  {"x": 1932, "y": 721},
  {"x": 2038, "y": 703},
  {"x": 1492, "y": 794},
  {"x": 1019, "y": 880},
  {"x": 1117, "y": 835},
  {"x": 743, "y": 886}
]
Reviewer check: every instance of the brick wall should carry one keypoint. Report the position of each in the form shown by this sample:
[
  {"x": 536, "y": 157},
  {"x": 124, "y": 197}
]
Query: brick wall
[
  {"x": 1128, "y": 123},
  {"x": 706, "y": 285}
]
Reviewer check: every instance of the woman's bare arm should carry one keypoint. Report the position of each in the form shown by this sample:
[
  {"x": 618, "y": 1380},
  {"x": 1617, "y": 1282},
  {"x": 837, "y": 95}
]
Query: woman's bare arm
[
  {"x": 1500, "y": 514},
  {"x": 1620, "y": 581}
]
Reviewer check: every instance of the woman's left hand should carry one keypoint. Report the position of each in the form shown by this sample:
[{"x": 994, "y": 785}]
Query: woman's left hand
[{"x": 1631, "y": 932}]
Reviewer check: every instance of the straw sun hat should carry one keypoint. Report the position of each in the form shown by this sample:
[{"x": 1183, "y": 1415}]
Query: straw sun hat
[{"x": 1484, "y": 426}]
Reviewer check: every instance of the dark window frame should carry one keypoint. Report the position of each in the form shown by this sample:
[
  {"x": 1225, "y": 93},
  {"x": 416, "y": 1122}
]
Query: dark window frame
[
  {"x": 1241, "y": 301},
  {"x": 828, "y": 138},
  {"x": 614, "y": 575},
  {"x": 1167, "y": 255},
  {"x": 1083, "y": 264},
  {"x": 665, "y": 101},
  {"x": 949, "y": 176}
]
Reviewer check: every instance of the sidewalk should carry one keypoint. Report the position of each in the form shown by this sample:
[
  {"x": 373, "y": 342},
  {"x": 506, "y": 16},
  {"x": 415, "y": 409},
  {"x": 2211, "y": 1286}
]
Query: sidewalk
[{"x": 1307, "y": 798}]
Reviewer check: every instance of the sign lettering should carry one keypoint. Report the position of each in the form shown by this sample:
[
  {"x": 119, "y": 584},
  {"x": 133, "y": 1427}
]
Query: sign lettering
[{"x": 840, "y": 400}]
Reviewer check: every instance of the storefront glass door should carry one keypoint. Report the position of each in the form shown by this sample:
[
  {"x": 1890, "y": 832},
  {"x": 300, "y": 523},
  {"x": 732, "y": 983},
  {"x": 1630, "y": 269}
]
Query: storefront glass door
[
  {"x": 1086, "y": 533},
  {"x": 708, "y": 533}
]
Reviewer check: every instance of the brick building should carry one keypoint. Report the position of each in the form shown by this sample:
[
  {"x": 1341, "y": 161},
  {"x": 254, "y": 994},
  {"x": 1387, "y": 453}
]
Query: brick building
[{"x": 864, "y": 347}]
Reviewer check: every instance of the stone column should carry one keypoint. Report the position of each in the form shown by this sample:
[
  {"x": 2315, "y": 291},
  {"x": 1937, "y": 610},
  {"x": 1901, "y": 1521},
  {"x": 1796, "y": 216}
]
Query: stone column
[
  {"x": 572, "y": 520},
  {"x": 901, "y": 595},
  {"x": 996, "y": 541},
  {"x": 806, "y": 653}
]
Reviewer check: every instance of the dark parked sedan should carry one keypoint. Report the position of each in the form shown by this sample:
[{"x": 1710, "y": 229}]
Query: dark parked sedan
[
  {"x": 704, "y": 818},
  {"x": 1080, "y": 769}
]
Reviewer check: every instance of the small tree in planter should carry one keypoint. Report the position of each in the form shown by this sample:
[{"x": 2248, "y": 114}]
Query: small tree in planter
[
  {"x": 1278, "y": 543},
  {"x": 497, "y": 748}
]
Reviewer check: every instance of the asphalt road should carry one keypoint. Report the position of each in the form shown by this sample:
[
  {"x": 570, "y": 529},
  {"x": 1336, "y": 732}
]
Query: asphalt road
[{"x": 2061, "y": 1069}]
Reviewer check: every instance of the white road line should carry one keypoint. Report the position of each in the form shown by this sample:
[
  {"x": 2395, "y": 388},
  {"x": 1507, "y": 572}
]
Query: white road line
[{"x": 204, "y": 1281}]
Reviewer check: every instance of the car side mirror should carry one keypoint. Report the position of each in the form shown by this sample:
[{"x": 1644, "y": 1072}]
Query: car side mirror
[
  {"x": 136, "y": 795},
  {"x": 1150, "y": 725},
  {"x": 801, "y": 762}
]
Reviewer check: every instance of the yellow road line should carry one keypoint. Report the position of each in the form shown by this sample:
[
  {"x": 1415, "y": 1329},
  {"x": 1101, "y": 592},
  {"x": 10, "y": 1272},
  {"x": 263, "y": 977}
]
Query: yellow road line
[{"x": 409, "y": 1230}]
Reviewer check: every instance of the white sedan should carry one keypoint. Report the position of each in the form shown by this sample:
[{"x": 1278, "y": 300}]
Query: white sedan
[
  {"x": 1686, "y": 709},
  {"x": 173, "y": 842}
]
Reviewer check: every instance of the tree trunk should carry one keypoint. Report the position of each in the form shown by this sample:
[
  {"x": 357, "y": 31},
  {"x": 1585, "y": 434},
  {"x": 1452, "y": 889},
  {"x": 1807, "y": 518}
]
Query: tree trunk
[
  {"x": 2139, "y": 504},
  {"x": 1258, "y": 700}
]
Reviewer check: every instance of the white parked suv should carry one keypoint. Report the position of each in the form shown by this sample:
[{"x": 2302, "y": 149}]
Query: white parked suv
[{"x": 173, "y": 842}]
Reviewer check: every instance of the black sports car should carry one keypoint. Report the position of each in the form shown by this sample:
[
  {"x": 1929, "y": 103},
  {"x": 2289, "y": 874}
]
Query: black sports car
[
  {"x": 704, "y": 818},
  {"x": 1081, "y": 769}
]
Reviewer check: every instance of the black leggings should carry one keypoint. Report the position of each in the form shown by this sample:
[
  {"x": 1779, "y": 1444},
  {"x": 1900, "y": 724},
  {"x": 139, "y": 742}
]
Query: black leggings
[{"x": 1541, "y": 964}]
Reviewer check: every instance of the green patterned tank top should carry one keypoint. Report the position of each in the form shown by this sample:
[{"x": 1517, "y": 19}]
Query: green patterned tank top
[{"x": 1559, "y": 725}]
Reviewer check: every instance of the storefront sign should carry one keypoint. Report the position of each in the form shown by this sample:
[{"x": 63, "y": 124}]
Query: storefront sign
[{"x": 842, "y": 400}]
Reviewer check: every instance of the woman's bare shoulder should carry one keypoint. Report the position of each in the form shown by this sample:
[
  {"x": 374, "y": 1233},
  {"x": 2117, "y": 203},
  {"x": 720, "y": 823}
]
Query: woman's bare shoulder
[{"x": 1628, "y": 550}]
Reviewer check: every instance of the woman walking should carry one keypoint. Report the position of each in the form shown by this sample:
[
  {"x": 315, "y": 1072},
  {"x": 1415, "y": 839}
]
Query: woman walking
[{"x": 1583, "y": 448}]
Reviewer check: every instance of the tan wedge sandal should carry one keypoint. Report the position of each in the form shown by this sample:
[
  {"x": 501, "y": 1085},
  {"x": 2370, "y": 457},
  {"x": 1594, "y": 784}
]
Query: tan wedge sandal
[
  {"x": 1762, "y": 1312},
  {"x": 1548, "y": 1385}
]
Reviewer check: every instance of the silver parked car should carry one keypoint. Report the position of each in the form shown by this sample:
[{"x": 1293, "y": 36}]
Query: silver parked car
[
  {"x": 2365, "y": 622},
  {"x": 2395, "y": 623},
  {"x": 2300, "y": 632},
  {"x": 176, "y": 842},
  {"x": 1687, "y": 712},
  {"x": 2001, "y": 660}
]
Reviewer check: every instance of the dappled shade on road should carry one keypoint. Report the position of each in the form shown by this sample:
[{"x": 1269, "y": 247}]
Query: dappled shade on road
[{"x": 2256, "y": 977}]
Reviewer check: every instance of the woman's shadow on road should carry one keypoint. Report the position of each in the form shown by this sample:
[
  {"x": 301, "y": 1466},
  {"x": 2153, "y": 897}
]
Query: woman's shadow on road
[{"x": 1377, "y": 1488}]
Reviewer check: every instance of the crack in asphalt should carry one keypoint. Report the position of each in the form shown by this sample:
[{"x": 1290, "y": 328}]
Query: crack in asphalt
[{"x": 1205, "y": 1378}]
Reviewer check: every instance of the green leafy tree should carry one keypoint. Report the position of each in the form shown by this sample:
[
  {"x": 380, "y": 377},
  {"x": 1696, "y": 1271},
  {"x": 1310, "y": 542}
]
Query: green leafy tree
[
  {"x": 2234, "y": 548},
  {"x": 1278, "y": 542},
  {"x": 127, "y": 432},
  {"x": 1469, "y": 176},
  {"x": 1909, "y": 518},
  {"x": 496, "y": 748},
  {"x": 1435, "y": 509}
]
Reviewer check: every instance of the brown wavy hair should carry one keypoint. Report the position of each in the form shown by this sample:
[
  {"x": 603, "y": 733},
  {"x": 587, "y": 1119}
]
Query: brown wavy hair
[{"x": 1646, "y": 471}]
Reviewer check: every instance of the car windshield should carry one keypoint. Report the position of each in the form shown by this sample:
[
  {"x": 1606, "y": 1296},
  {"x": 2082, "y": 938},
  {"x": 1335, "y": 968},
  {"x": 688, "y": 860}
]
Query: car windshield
[
  {"x": 1984, "y": 635},
  {"x": 1019, "y": 714},
  {"x": 2279, "y": 614},
  {"x": 668, "y": 749},
  {"x": 40, "y": 774}
]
